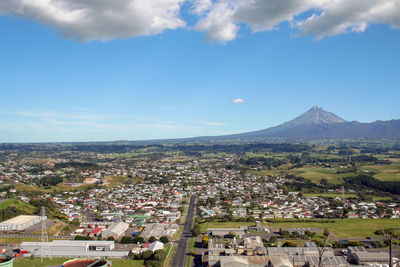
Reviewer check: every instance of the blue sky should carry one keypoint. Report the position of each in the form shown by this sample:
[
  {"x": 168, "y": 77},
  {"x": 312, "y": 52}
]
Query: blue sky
[{"x": 68, "y": 84}]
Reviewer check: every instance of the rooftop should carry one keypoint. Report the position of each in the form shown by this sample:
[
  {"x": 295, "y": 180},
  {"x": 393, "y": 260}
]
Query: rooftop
[{"x": 21, "y": 219}]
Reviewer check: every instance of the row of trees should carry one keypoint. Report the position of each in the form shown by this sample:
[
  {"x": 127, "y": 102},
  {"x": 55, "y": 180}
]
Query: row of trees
[
  {"x": 139, "y": 239},
  {"x": 152, "y": 259},
  {"x": 127, "y": 239},
  {"x": 369, "y": 181},
  {"x": 50, "y": 180}
]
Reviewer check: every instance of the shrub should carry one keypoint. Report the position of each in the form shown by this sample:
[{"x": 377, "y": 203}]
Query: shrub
[
  {"x": 164, "y": 239},
  {"x": 126, "y": 240},
  {"x": 289, "y": 244}
]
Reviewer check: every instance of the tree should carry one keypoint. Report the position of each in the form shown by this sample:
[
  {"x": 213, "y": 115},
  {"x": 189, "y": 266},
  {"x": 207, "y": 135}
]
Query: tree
[
  {"x": 138, "y": 239},
  {"x": 326, "y": 232},
  {"x": 323, "y": 181},
  {"x": 146, "y": 255},
  {"x": 390, "y": 234},
  {"x": 126, "y": 240},
  {"x": 196, "y": 229},
  {"x": 289, "y": 244},
  {"x": 50, "y": 180},
  {"x": 164, "y": 239},
  {"x": 204, "y": 241},
  {"x": 273, "y": 239},
  {"x": 232, "y": 234},
  {"x": 152, "y": 239},
  {"x": 82, "y": 237},
  {"x": 75, "y": 222},
  {"x": 110, "y": 238},
  {"x": 284, "y": 233},
  {"x": 295, "y": 234},
  {"x": 153, "y": 264},
  {"x": 321, "y": 251},
  {"x": 159, "y": 255}
]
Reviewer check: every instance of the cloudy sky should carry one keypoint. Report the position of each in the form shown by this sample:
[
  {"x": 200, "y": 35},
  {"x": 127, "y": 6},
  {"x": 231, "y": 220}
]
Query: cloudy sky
[{"x": 84, "y": 70}]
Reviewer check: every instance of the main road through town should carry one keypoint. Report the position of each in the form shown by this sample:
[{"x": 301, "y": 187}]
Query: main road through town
[{"x": 179, "y": 259}]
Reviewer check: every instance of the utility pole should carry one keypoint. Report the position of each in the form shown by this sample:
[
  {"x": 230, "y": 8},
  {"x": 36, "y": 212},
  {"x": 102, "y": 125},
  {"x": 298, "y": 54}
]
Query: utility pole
[
  {"x": 44, "y": 238},
  {"x": 321, "y": 251},
  {"x": 389, "y": 236},
  {"x": 343, "y": 199}
]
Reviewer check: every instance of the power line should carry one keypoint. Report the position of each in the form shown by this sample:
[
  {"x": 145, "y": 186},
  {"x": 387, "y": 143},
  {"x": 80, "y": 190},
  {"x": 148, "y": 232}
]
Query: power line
[{"x": 44, "y": 238}]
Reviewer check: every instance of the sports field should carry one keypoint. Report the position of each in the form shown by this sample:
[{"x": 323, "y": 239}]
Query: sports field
[{"x": 347, "y": 228}]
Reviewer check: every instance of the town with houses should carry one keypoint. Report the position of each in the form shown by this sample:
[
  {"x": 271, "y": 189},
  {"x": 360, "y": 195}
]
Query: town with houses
[{"x": 110, "y": 206}]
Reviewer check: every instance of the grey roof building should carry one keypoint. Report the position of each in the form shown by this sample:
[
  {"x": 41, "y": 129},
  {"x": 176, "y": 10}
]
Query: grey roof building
[
  {"x": 68, "y": 248},
  {"x": 223, "y": 232},
  {"x": 115, "y": 230},
  {"x": 363, "y": 257}
]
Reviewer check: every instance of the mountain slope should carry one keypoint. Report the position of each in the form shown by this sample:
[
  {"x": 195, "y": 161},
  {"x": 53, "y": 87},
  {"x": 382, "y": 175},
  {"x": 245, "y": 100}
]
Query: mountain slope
[
  {"x": 317, "y": 124},
  {"x": 316, "y": 115}
]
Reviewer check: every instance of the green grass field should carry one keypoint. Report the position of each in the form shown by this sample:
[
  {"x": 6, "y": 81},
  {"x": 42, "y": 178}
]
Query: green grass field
[
  {"x": 386, "y": 172},
  {"x": 36, "y": 262},
  {"x": 383, "y": 176},
  {"x": 316, "y": 174},
  {"x": 21, "y": 205},
  {"x": 347, "y": 195},
  {"x": 122, "y": 155},
  {"x": 274, "y": 172},
  {"x": 6, "y": 203},
  {"x": 328, "y": 195},
  {"x": 389, "y": 172},
  {"x": 126, "y": 262},
  {"x": 25, "y": 187},
  {"x": 348, "y": 228}
]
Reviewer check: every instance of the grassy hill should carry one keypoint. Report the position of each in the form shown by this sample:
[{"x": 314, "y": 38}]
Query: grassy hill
[
  {"x": 12, "y": 207},
  {"x": 8, "y": 202}
]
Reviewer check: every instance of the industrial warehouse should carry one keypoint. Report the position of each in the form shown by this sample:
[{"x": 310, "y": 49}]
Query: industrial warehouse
[
  {"x": 20, "y": 223},
  {"x": 67, "y": 248}
]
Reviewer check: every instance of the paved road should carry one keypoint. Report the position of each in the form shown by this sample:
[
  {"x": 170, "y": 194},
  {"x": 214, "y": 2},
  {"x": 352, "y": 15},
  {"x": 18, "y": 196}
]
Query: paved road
[
  {"x": 38, "y": 227},
  {"x": 179, "y": 258}
]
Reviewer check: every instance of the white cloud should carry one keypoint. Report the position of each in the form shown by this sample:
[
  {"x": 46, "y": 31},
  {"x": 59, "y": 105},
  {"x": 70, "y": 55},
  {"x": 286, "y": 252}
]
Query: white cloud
[
  {"x": 218, "y": 23},
  {"x": 222, "y": 19},
  {"x": 344, "y": 16},
  {"x": 100, "y": 19},
  {"x": 238, "y": 101},
  {"x": 201, "y": 6}
]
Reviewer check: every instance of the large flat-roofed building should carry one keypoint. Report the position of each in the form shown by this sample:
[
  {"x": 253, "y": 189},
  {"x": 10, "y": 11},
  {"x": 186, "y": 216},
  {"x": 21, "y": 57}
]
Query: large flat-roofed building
[
  {"x": 115, "y": 230},
  {"x": 302, "y": 251},
  {"x": 364, "y": 257},
  {"x": 73, "y": 248},
  {"x": 313, "y": 261},
  {"x": 160, "y": 229},
  {"x": 224, "y": 232},
  {"x": 20, "y": 222},
  {"x": 235, "y": 261}
]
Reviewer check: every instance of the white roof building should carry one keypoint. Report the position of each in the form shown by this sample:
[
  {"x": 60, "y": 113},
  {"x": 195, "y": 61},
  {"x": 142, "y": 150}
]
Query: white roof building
[
  {"x": 157, "y": 245},
  {"x": 20, "y": 223},
  {"x": 115, "y": 230},
  {"x": 73, "y": 248}
]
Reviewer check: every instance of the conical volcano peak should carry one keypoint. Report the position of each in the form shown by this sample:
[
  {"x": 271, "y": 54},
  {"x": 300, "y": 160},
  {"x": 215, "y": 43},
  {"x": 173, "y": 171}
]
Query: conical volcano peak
[
  {"x": 319, "y": 124},
  {"x": 316, "y": 115}
]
